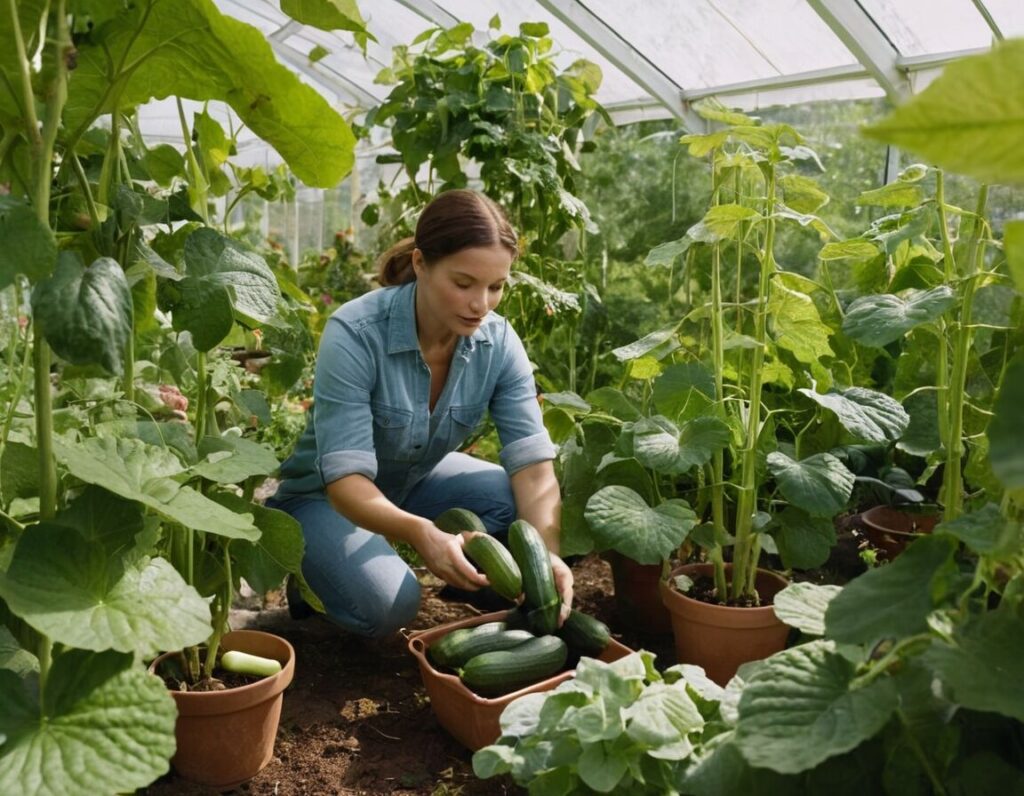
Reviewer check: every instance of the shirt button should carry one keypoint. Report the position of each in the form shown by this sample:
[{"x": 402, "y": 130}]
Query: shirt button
[
  {"x": 385, "y": 421},
  {"x": 417, "y": 447}
]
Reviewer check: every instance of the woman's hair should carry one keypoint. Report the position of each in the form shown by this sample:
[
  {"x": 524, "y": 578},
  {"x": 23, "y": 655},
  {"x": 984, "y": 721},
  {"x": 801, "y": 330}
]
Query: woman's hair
[{"x": 453, "y": 221}]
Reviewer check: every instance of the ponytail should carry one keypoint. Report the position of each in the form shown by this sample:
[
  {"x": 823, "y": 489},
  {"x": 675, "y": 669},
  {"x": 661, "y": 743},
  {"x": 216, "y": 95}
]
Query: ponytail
[{"x": 395, "y": 266}]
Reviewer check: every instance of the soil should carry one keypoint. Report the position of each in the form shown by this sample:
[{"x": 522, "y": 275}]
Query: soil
[{"x": 356, "y": 719}]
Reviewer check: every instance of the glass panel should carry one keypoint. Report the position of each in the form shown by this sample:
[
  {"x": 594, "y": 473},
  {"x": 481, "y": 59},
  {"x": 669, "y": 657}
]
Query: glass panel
[
  {"x": 1009, "y": 16},
  {"x": 919, "y": 27},
  {"x": 705, "y": 43},
  {"x": 615, "y": 85},
  {"x": 260, "y": 14}
]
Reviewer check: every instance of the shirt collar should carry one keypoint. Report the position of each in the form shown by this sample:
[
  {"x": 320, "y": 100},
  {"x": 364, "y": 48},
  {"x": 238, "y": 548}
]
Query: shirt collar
[{"x": 402, "y": 325}]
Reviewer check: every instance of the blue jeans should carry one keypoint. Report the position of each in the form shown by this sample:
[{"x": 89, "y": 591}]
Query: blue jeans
[{"x": 365, "y": 586}]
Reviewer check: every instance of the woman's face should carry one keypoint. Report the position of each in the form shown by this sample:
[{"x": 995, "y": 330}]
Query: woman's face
[{"x": 456, "y": 292}]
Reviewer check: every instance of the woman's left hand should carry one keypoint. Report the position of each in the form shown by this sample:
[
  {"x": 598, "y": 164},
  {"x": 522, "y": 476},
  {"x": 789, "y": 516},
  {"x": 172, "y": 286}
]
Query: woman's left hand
[{"x": 563, "y": 584}]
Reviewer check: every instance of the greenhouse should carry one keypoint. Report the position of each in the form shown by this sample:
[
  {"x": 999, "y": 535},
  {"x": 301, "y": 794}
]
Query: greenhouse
[{"x": 444, "y": 397}]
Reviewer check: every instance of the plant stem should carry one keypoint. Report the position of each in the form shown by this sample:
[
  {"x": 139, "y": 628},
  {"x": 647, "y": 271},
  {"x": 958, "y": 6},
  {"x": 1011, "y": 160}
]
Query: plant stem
[
  {"x": 45, "y": 655},
  {"x": 83, "y": 181},
  {"x": 196, "y": 178},
  {"x": 922, "y": 758},
  {"x": 718, "y": 364},
  {"x": 949, "y": 269},
  {"x": 19, "y": 388},
  {"x": 952, "y": 485},
  {"x": 220, "y": 621},
  {"x": 747, "y": 498},
  {"x": 200, "y": 421}
]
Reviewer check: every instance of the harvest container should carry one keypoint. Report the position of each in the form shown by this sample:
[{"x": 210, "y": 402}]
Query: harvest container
[{"x": 471, "y": 719}]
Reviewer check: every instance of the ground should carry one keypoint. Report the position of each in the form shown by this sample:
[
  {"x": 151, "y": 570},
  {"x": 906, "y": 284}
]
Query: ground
[{"x": 356, "y": 719}]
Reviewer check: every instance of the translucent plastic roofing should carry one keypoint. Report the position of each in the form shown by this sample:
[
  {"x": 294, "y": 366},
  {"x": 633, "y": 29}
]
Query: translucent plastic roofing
[{"x": 659, "y": 56}]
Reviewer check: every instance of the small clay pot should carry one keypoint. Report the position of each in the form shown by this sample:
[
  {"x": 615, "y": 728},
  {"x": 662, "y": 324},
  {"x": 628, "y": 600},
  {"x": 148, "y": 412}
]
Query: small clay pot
[
  {"x": 471, "y": 719},
  {"x": 891, "y": 530},
  {"x": 718, "y": 637},
  {"x": 637, "y": 597},
  {"x": 227, "y": 737}
]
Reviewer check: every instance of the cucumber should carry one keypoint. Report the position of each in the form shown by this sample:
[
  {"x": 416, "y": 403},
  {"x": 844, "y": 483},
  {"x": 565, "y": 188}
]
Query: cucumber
[
  {"x": 244, "y": 663},
  {"x": 459, "y": 520},
  {"x": 530, "y": 552},
  {"x": 584, "y": 634},
  {"x": 497, "y": 564},
  {"x": 494, "y": 673},
  {"x": 458, "y": 646}
]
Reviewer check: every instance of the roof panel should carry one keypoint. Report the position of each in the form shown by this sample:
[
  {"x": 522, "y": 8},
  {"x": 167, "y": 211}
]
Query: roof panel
[
  {"x": 712, "y": 42},
  {"x": 258, "y": 13},
  {"x": 1008, "y": 15},
  {"x": 917, "y": 27}
]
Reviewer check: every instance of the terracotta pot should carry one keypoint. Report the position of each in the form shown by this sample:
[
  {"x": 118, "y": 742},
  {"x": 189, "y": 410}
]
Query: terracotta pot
[
  {"x": 718, "y": 637},
  {"x": 226, "y": 737},
  {"x": 891, "y": 530},
  {"x": 637, "y": 597},
  {"x": 471, "y": 719}
]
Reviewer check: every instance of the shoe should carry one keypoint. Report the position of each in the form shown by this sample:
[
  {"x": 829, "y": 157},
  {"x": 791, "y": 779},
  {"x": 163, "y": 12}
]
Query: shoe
[{"x": 297, "y": 607}]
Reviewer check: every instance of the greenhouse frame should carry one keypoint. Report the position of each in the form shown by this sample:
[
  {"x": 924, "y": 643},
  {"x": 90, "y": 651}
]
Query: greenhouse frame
[{"x": 559, "y": 397}]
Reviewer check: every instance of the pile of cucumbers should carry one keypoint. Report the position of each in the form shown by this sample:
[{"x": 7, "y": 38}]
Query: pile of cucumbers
[{"x": 499, "y": 657}]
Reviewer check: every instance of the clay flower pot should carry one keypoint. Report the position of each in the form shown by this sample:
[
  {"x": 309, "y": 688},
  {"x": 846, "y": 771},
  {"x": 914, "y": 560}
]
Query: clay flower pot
[
  {"x": 718, "y": 637},
  {"x": 226, "y": 737},
  {"x": 637, "y": 597},
  {"x": 891, "y": 530},
  {"x": 471, "y": 719}
]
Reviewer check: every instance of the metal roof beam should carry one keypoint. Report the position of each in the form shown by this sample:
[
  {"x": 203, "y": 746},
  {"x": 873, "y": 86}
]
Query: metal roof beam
[
  {"x": 989, "y": 19},
  {"x": 431, "y": 12},
  {"x": 858, "y": 31},
  {"x": 832, "y": 75},
  {"x": 915, "y": 63},
  {"x": 599, "y": 35}
]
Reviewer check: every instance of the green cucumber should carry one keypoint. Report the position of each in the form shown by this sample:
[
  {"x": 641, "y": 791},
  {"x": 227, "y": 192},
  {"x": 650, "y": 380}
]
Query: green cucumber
[
  {"x": 458, "y": 646},
  {"x": 494, "y": 673},
  {"x": 459, "y": 520},
  {"x": 530, "y": 552},
  {"x": 584, "y": 634},
  {"x": 497, "y": 564},
  {"x": 244, "y": 663}
]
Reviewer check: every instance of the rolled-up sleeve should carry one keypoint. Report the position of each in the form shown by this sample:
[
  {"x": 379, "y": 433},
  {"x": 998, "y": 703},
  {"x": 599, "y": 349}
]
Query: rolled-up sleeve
[
  {"x": 342, "y": 419},
  {"x": 515, "y": 410}
]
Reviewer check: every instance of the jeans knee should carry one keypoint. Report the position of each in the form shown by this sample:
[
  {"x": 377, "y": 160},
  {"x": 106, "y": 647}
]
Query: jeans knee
[{"x": 391, "y": 616}]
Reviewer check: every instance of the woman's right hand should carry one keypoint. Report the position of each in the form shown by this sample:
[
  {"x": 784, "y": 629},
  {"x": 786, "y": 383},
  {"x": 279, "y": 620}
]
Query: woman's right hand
[{"x": 443, "y": 555}]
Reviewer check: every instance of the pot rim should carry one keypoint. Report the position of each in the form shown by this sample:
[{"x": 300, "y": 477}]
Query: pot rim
[{"x": 669, "y": 591}]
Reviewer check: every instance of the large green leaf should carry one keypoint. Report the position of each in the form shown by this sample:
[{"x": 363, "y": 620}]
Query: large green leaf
[
  {"x": 983, "y": 667},
  {"x": 868, "y": 415},
  {"x": 819, "y": 484},
  {"x": 803, "y": 606},
  {"x": 230, "y": 460},
  {"x": 224, "y": 281},
  {"x": 329, "y": 15},
  {"x": 141, "y": 472},
  {"x": 659, "y": 445},
  {"x": 622, "y": 521},
  {"x": 667, "y": 253},
  {"x": 853, "y": 249},
  {"x": 76, "y": 593},
  {"x": 662, "y": 715},
  {"x": 86, "y": 313},
  {"x": 105, "y": 727},
  {"x": 797, "y": 325},
  {"x": 892, "y": 601},
  {"x": 190, "y": 49},
  {"x": 14, "y": 658},
  {"x": 804, "y": 541},
  {"x": 19, "y": 472},
  {"x": 720, "y": 222},
  {"x": 1005, "y": 431},
  {"x": 684, "y": 390},
  {"x": 645, "y": 344},
  {"x": 798, "y": 710},
  {"x": 922, "y": 433},
  {"x": 970, "y": 119},
  {"x": 29, "y": 247},
  {"x": 986, "y": 531},
  {"x": 279, "y": 550},
  {"x": 879, "y": 320}
]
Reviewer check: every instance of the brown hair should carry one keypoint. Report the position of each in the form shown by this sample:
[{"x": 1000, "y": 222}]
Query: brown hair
[{"x": 453, "y": 221}]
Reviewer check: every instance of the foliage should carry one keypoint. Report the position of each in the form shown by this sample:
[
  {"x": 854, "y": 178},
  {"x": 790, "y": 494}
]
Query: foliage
[{"x": 126, "y": 481}]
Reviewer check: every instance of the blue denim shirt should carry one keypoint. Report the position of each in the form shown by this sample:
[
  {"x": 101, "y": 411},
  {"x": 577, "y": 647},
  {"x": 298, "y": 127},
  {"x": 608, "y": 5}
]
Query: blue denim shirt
[{"x": 371, "y": 399}]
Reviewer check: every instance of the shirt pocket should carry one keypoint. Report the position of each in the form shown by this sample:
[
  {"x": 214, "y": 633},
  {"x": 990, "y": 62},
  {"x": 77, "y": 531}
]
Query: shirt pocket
[
  {"x": 392, "y": 432},
  {"x": 465, "y": 420}
]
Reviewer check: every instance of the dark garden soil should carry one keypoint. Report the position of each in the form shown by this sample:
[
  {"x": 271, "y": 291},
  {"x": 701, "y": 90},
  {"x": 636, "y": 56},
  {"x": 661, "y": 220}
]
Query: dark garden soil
[{"x": 356, "y": 719}]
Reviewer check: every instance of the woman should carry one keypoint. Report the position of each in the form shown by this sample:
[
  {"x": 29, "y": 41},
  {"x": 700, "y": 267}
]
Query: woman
[{"x": 404, "y": 374}]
